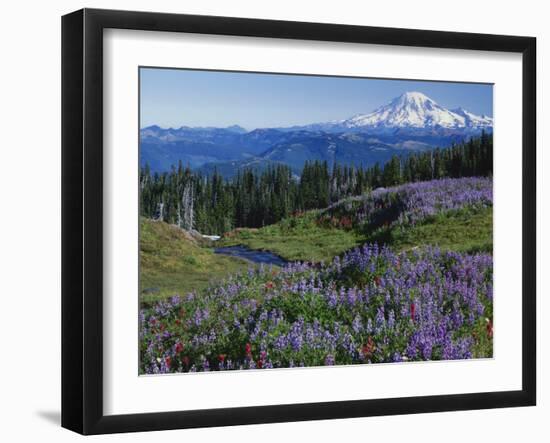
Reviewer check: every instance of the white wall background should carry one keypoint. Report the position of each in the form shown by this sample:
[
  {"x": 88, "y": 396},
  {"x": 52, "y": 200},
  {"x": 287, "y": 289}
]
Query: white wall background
[{"x": 30, "y": 218}]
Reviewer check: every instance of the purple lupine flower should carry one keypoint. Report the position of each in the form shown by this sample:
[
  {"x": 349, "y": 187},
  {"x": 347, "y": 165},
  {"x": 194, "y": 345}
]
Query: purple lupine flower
[{"x": 357, "y": 324}]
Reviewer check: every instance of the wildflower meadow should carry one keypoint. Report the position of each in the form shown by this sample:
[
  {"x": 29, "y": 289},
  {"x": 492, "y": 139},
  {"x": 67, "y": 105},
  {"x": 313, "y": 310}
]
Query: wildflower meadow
[{"x": 370, "y": 304}]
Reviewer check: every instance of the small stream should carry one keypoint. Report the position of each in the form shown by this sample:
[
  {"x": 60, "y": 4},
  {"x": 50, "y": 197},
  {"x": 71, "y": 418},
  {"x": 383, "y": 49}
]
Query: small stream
[{"x": 255, "y": 256}]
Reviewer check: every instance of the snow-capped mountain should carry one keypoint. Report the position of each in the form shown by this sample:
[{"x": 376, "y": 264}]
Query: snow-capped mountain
[
  {"x": 474, "y": 121},
  {"x": 410, "y": 122},
  {"x": 416, "y": 110}
]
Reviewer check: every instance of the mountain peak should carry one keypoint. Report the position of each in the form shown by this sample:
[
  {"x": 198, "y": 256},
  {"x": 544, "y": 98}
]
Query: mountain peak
[
  {"x": 416, "y": 110},
  {"x": 236, "y": 128},
  {"x": 413, "y": 97}
]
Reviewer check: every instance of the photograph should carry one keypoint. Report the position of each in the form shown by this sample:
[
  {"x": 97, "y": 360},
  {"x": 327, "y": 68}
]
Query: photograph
[{"x": 302, "y": 221}]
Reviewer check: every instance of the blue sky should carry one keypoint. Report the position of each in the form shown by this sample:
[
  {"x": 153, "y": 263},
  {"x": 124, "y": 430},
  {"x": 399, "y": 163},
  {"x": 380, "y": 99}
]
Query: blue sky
[{"x": 177, "y": 97}]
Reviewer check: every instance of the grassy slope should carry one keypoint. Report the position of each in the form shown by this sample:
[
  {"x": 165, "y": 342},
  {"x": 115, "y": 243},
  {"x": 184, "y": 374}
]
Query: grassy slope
[
  {"x": 461, "y": 231},
  {"x": 302, "y": 239},
  {"x": 297, "y": 238},
  {"x": 173, "y": 262}
]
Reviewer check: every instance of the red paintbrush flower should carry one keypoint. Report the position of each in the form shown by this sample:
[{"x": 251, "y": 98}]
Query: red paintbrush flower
[
  {"x": 185, "y": 360},
  {"x": 221, "y": 358},
  {"x": 259, "y": 364},
  {"x": 269, "y": 285},
  {"x": 248, "y": 349},
  {"x": 179, "y": 347},
  {"x": 490, "y": 329},
  {"x": 369, "y": 348},
  {"x": 168, "y": 361},
  {"x": 377, "y": 280}
]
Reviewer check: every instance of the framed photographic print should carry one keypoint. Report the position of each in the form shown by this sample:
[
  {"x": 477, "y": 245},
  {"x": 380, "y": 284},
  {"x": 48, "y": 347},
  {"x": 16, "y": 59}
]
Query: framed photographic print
[{"x": 269, "y": 221}]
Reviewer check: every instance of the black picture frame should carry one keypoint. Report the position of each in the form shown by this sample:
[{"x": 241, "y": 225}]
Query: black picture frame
[{"x": 82, "y": 218}]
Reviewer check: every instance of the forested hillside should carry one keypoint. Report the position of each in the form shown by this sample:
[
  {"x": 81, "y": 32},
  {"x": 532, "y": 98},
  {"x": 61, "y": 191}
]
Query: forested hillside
[{"x": 214, "y": 205}]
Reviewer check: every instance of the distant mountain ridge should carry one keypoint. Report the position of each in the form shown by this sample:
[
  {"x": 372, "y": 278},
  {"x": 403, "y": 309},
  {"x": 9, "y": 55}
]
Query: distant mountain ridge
[{"x": 410, "y": 122}]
